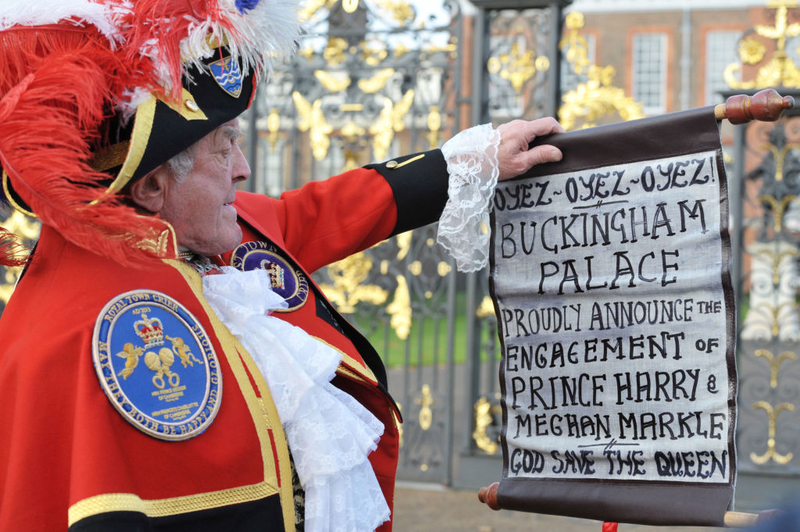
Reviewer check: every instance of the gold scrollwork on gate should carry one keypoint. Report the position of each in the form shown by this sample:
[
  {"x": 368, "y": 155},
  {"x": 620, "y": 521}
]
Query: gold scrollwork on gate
[
  {"x": 377, "y": 82},
  {"x": 352, "y": 114},
  {"x": 452, "y": 48},
  {"x": 777, "y": 258},
  {"x": 352, "y": 132},
  {"x": 780, "y": 156},
  {"x": 373, "y": 52},
  {"x": 772, "y": 415},
  {"x": 350, "y": 6},
  {"x": 347, "y": 290},
  {"x": 426, "y": 402},
  {"x": 334, "y": 53},
  {"x": 775, "y": 363},
  {"x": 596, "y": 97},
  {"x": 312, "y": 6},
  {"x": 751, "y": 50},
  {"x": 312, "y": 119},
  {"x": 517, "y": 67},
  {"x": 484, "y": 418},
  {"x": 774, "y": 313},
  {"x": 274, "y": 127},
  {"x": 24, "y": 227},
  {"x": 780, "y": 70},
  {"x": 434, "y": 125},
  {"x": 402, "y": 12},
  {"x": 7, "y": 284},
  {"x": 400, "y": 309},
  {"x": 778, "y": 207},
  {"x": 389, "y": 121},
  {"x": 332, "y": 81},
  {"x": 403, "y": 244},
  {"x": 485, "y": 309}
]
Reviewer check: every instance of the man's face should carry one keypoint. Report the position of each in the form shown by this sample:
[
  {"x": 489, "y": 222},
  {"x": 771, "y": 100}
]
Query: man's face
[{"x": 200, "y": 206}]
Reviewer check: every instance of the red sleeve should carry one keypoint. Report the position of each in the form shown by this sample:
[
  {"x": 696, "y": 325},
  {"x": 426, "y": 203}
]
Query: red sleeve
[{"x": 326, "y": 221}]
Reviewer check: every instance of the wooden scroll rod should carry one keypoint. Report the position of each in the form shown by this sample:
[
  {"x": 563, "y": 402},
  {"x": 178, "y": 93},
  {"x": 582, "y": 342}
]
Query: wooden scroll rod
[
  {"x": 766, "y": 106},
  {"x": 488, "y": 496}
]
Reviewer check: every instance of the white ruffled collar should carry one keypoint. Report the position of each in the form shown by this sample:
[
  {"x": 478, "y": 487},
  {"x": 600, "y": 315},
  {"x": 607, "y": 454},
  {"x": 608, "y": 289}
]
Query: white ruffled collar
[{"x": 330, "y": 434}]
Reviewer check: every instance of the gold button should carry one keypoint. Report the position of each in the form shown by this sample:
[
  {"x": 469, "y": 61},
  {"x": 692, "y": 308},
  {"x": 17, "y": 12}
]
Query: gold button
[
  {"x": 391, "y": 164},
  {"x": 192, "y": 105}
]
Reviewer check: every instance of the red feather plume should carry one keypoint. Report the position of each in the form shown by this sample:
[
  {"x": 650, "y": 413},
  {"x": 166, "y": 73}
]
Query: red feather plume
[
  {"x": 57, "y": 86},
  {"x": 155, "y": 29},
  {"x": 12, "y": 252}
]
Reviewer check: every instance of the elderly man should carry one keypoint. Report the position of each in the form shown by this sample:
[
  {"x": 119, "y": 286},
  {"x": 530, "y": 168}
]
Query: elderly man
[{"x": 188, "y": 374}]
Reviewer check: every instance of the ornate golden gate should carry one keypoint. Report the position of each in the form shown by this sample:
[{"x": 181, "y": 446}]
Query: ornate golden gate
[
  {"x": 766, "y": 228},
  {"x": 373, "y": 80}
]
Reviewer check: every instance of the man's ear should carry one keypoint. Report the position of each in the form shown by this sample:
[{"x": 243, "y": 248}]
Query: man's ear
[{"x": 150, "y": 192}]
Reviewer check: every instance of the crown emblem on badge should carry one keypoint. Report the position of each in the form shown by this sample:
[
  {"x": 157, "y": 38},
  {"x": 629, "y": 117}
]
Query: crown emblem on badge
[
  {"x": 150, "y": 330},
  {"x": 277, "y": 276}
]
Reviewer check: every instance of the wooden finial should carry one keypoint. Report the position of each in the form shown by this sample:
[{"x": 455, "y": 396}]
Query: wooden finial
[
  {"x": 766, "y": 106},
  {"x": 488, "y": 496}
]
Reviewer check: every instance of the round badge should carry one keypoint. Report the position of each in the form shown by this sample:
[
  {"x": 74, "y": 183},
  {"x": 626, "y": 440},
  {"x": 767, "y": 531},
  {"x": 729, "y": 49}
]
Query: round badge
[
  {"x": 156, "y": 365},
  {"x": 286, "y": 281}
]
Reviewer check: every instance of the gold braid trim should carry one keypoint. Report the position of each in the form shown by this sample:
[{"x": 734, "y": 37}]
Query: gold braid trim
[{"x": 128, "y": 502}]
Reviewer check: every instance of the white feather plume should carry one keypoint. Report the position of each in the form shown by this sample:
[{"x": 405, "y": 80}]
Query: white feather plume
[
  {"x": 266, "y": 34},
  {"x": 41, "y": 12}
]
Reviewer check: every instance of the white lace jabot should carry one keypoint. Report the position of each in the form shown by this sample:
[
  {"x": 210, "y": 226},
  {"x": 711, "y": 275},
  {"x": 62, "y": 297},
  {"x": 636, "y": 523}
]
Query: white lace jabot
[
  {"x": 330, "y": 434},
  {"x": 471, "y": 158}
]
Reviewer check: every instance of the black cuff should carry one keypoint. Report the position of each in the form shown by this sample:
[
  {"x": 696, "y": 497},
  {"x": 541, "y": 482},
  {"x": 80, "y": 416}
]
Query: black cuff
[{"x": 419, "y": 185}]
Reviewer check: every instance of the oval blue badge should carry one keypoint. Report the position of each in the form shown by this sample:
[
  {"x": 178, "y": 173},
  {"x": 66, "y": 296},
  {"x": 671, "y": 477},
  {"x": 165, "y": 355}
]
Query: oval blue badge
[
  {"x": 156, "y": 365},
  {"x": 289, "y": 283}
]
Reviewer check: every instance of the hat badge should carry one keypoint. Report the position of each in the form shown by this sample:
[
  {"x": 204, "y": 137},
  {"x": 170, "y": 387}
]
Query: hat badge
[{"x": 227, "y": 74}]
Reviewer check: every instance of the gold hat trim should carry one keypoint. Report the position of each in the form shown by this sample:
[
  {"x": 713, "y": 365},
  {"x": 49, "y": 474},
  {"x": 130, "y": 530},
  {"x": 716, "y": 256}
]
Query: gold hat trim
[
  {"x": 130, "y": 153},
  {"x": 10, "y": 197},
  {"x": 110, "y": 157},
  {"x": 142, "y": 127}
]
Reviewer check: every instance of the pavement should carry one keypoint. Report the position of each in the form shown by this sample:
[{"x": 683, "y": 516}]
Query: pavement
[{"x": 432, "y": 508}]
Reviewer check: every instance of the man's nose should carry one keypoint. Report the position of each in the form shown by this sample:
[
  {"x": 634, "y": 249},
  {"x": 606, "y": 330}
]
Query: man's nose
[{"x": 241, "y": 169}]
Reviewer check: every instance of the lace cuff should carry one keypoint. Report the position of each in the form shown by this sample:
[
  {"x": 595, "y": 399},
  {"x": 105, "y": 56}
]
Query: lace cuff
[{"x": 464, "y": 225}]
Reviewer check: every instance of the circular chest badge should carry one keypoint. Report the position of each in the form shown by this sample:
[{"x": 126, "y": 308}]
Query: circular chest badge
[
  {"x": 286, "y": 281},
  {"x": 156, "y": 365}
]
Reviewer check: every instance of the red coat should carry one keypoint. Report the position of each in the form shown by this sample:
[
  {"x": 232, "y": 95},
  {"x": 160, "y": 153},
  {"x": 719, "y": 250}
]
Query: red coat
[{"x": 67, "y": 457}]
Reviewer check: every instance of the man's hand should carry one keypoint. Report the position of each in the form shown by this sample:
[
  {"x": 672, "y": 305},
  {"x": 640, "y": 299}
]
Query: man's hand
[{"x": 514, "y": 157}]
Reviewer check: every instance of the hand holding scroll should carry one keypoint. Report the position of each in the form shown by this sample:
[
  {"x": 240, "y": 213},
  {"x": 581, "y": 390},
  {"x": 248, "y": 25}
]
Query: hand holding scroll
[{"x": 514, "y": 156}]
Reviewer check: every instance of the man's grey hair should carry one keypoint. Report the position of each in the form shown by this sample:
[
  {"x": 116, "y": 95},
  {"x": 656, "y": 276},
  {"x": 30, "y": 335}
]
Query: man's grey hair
[
  {"x": 183, "y": 163},
  {"x": 180, "y": 165}
]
